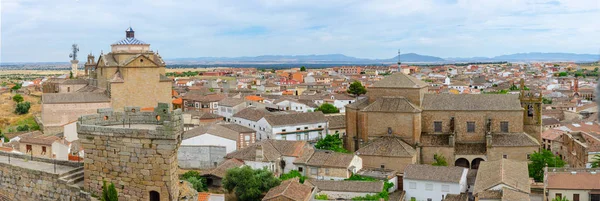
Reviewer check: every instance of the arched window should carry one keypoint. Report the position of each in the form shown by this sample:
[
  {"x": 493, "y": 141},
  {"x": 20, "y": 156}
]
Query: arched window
[{"x": 530, "y": 110}]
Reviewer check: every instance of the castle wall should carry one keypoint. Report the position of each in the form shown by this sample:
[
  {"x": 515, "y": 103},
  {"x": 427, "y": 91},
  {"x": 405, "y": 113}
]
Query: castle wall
[
  {"x": 137, "y": 161},
  {"x": 22, "y": 183}
]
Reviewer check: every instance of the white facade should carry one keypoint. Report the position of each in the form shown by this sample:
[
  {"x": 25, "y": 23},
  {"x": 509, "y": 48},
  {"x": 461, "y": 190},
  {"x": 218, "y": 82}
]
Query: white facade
[
  {"x": 299, "y": 132},
  {"x": 295, "y": 106},
  {"x": 341, "y": 104},
  {"x": 212, "y": 140},
  {"x": 60, "y": 151},
  {"x": 228, "y": 112},
  {"x": 435, "y": 190},
  {"x": 70, "y": 131}
]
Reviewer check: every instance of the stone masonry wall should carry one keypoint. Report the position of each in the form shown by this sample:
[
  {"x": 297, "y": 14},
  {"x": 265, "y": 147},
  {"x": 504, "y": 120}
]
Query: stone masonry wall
[
  {"x": 200, "y": 157},
  {"x": 18, "y": 183},
  {"x": 137, "y": 161}
]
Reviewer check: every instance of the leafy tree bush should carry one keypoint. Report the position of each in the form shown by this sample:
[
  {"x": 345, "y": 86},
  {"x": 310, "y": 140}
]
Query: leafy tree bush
[
  {"x": 4, "y": 137},
  {"x": 539, "y": 160},
  {"x": 440, "y": 160},
  {"x": 331, "y": 142},
  {"x": 18, "y": 98},
  {"x": 546, "y": 101},
  {"x": 249, "y": 184},
  {"x": 109, "y": 193},
  {"x": 22, "y": 108},
  {"x": 16, "y": 87},
  {"x": 23, "y": 127},
  {"x": 564, "y": 198},
  {"x": 596, "y": 161},
  {"x": 355, "y": 177},
  {"x": 356, "y": 88},
  {"x": 197, "y": 181},
  {"x": 293, "y": 174},
  {"x": 327, "y": 108},
  {"x": 302, "y": 68},
  {"x": 321, "y": 197}
]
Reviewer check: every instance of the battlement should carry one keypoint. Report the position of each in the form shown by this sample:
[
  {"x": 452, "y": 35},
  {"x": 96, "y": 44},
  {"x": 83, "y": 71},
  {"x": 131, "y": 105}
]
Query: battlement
[{"x": 133, "y": 122}]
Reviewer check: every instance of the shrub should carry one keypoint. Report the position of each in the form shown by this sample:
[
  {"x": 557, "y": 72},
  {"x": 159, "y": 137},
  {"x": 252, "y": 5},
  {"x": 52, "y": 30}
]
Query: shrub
[
  {"x": 109, "y": 193},
  {"x": 321, "y": 197},
  {"x": 22, "y": 108}
]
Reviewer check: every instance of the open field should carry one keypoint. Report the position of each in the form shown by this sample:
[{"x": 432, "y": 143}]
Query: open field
[{"x": 10, "y": 120}]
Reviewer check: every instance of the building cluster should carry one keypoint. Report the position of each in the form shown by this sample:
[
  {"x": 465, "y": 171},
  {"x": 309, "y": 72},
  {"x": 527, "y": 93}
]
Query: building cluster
[{"x": 125, "y": 121}]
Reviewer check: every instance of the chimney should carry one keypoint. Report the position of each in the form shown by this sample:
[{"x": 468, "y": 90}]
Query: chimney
[
  {"x": 488, "y": 140},
  {"x": 259, "y": 153}
]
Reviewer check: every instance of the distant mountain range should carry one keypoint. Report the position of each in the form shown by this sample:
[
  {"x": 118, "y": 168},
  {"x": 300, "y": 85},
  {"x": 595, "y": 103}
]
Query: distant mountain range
[{"x": 405, "y": 58}]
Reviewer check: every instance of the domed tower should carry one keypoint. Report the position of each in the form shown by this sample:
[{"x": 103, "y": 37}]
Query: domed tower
[{"x": 130, "y": 44}]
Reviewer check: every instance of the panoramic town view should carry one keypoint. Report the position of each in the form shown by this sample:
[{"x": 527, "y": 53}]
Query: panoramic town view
[{"x": 434, "y": 100}]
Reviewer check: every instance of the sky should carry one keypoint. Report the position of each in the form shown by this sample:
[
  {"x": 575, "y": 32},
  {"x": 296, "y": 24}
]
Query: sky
[{"x": 43, "y": 31}]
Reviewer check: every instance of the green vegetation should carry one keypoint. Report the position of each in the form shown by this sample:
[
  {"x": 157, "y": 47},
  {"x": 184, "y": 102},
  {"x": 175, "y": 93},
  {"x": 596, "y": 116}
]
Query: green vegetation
[
  {"x": 440, "y": 160},
  {"x": 183, "y": 74},
  {"x": 356, "y": 88},
  {"x": 70, "y": 74},
  {"x": 503, "y": 91},
  {"x": 596, "y": 161},
  {"x": 427, "y": 80},
  {"x": 546, "y": 101},
  {"x": 109, "y": 193},
  {"x": 22, "y": 108},
  {"x": 327, "y": 108},
  {"x": 18, "y": 98},
  {"x": 249, "y": 184},
  {"x": 355, "y": 177},
  {"x": 332, "y": 142},
  {"x": 293, "y": 174},
  {"x": 539, "y": 160},
  {"x": 23, "y": 128},
  {"x": 302, "y": 68},
  {"x": 4, "y": 137},
  {"x": 564, "y": 198},
  {"x": 321, "y": 197},
  {"x": 198, "y": 182},
  {"x": 16, "y": 87}
]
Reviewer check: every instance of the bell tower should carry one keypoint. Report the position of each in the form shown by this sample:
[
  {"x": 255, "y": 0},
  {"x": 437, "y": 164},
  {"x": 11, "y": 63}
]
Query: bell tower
[{"x": 532, "y": 112}]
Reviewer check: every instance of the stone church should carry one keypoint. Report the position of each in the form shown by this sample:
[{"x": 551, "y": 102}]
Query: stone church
[
  {"x": 399, "y": 123},
  {"x": 131, "y": 74}
]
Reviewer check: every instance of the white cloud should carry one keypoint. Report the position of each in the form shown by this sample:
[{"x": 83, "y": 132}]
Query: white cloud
[{"x": 44, "y": 30}]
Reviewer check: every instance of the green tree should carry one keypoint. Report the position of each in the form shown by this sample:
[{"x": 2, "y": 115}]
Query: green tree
[
  {"x": 302, "y": 68},
  {"x": 546, "y": 101},
  {"x": 18, "y": 98},
  {"x": 109, "y": 193},
  {"x": 356, "y": 88},
  {"x": 596, "y": 161},
  {"x": 563, "y": 74},
  {"x": 327, "y": 108},
  {"x": 249, "y": 184},
  {"x": 16, "y": 87},
  {"x": 23, "y": 128},
  {"x": 71, "y": 75},
  {"x": 293, "y": 174},
  {"x": 440, "y": 160},
  {"x": 539, "y": 160},
  {"x": 197, "y": 181},
  {"x": 22, "y": 108},
  {"x": 321, "y": 197},
  {"x": 564, "y": 198},
  {"x": 6, "y": 140},
  {"x": 513, "y": 88},
  {"x": 331, "y": 142}
]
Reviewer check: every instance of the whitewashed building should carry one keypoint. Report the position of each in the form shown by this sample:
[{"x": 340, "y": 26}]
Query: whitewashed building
[
  {"x": 230, "y": 106},
  {"x": 275, "y": 155},
  {"x": 433, "y": 183}
]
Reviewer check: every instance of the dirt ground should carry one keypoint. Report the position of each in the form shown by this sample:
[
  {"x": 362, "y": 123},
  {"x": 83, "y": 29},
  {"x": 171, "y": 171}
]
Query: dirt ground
[{"x": 10, "y": 120}]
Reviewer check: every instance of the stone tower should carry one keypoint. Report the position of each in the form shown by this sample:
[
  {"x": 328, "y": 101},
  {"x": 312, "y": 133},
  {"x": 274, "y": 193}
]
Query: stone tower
[
  {"x": 89, "y": 65},
  {"x": 135, "y": 150},
  {"x": 532, "y": 112}
]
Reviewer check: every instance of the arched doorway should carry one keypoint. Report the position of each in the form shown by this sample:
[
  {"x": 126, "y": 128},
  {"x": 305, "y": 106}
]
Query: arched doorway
[
  {"x": 461, "y": 162},
  {"x": 154, "y": 196},
  {"x": 475, "y": 163}
]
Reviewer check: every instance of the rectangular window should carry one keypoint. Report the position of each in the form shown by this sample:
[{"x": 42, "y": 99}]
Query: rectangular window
[
  {"x": 412, "y": 185},
  {"x": 575, "y": 197},
  {"x": 470, "y": 127},
  {"x": 528, "y": 156},
  {"x": 247, "y": 137},
  {"x": 297, "y": 129},
  {"x": 282, "y": 130},
  {"x": 300, "y": 170},
  {"x": 437, "y": 126},
  {"x": 320, "y": 126},
  {"x": 28, "y": 148},
  {"x": 429, "y": 187},
  {"x": 306, "y": 128},
  {"x": 445, "y": 188},
  {"x": 284, "y": 137},
  {"x": 558, "y": 195},
  {"x": 298, "y": 137},
  {"x": 504, "y": 126},
  {"x": 313, "y": 171},
  {"x": 43, "y": 150},
  {"x": 505, "y": 156}
]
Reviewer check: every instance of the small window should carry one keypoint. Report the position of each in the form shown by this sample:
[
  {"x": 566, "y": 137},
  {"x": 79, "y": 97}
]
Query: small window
[
  {"x": 505, "y": 156},
  {"x": 504, "y": 126},
  {"x": 437, "y": 126},
  {"x": 306, "y": 128},
  {"x": 298, "y": 137},
  {"x": 28, "y": 147},
  {"x": 470, "y": 127},
  {"x": 282, "y": 130},
  {"x": 300, "y": 169},
  {"x": 559, "y": 195},
  {"x": 313, "y": 171},
  {"x": 43, "y": 150},
  {"x": 297, "y": 129},
  {"x": 320, "y": 126},
  {"x": 445, "y": 188},
  {"x": 429, "y": 187},
  {"x": 528, "y": 156},
  {"x": 575, "y": 197},
  {"x": 412, "y": 185},
  {"x": 247, "y": 137}
]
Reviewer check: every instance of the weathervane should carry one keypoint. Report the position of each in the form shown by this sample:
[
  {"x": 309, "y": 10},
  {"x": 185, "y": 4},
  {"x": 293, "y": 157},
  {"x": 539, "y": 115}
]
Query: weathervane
[{"x": 75, "y": 49}]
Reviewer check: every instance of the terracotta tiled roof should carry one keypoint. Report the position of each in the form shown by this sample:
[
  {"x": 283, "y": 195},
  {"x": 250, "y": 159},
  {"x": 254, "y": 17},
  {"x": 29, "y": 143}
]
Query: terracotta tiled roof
[
  {"x": 272, "y": 150},
  {"x": 400, "y": 80},
  {"x": 296, "y": 119},
  {"x": 552, "y": 134},
  {"x": 514, "y": 174},
  {"x": 578, "y": 181},
  {"x": 451, "y": 174},
  {"x": 39, "y": 140},
  {"x": 290, "y": 189},
  {"x": 252, "y": 114},
  {"x": 254, "y": 98},
  {"x": 456, "y": 197},
  {"x": 178, "y": 101},
  {"x": 387, "y": 146},
  {"x": 347, "y": 186},
  {"x": 322, "y": 158},
  {"x": 212, "y": 129},
  {"x": 392, "y": 104},
  {"x": 222, "y": 168},
  {"x": 230, "y": 102},
  {"x": 513, "y": 140},
  {"x": 336, "y": 121},
  {"x": 471, "y": 102}
]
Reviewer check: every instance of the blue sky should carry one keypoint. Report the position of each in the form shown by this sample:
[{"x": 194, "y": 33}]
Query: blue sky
[{"x": 38, "y": 31}]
